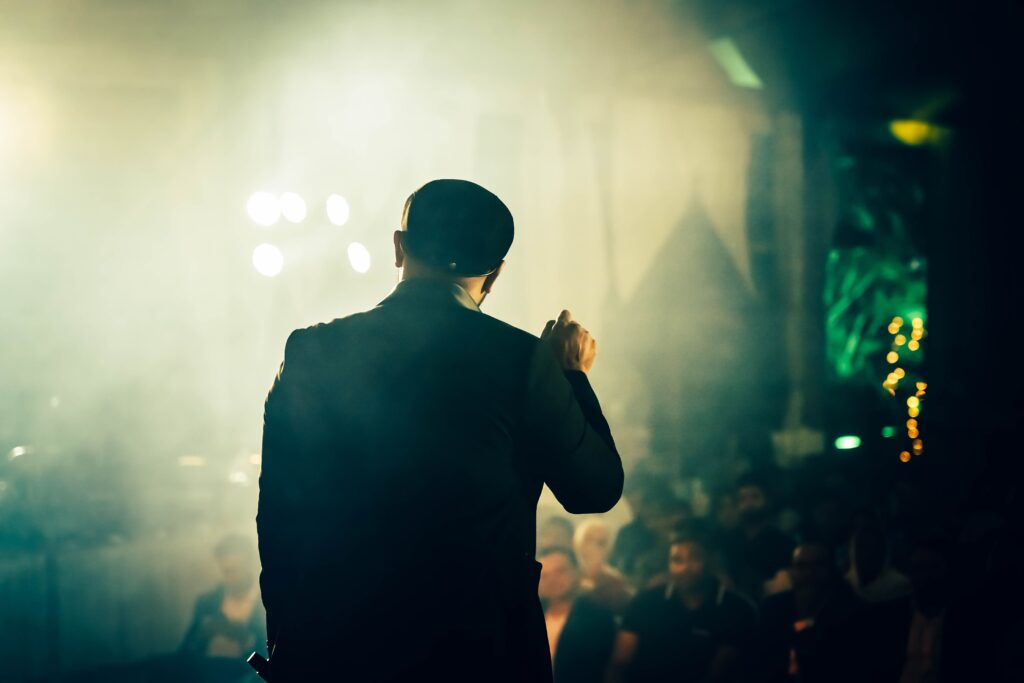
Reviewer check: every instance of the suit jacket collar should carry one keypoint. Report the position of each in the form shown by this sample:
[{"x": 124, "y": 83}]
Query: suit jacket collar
[{"x": 426, "y": 290}]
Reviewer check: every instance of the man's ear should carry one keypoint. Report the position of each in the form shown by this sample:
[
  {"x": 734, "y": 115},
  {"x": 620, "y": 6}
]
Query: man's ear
[
  {"x": 399, "y": 250},
  {"x": 491, "y": 277}
]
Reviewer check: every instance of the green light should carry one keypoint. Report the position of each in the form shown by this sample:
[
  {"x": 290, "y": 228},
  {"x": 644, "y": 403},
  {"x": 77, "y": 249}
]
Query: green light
[
  {"x": 845, "y": 443},
  {"x": 736, "y": 68},
  {"x": 888, "y": 432}
]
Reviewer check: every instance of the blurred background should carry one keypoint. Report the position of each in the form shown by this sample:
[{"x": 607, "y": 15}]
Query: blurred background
[{"x": 787, "y": 222}]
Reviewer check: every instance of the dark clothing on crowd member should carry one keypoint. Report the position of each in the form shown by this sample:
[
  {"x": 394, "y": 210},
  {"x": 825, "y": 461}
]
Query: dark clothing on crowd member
[
  {"x": 679, "y": 644},
  {"x": 404, "y": 450},
  {"x": 833, "y": 645},
  {"x": 585, "y": 644},
  {"x": 210, "y": 622},
  {"x": 755, "y": 559}
]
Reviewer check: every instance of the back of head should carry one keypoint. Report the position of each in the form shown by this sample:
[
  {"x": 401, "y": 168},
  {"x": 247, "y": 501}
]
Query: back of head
[{"x": 457, "y": 227}]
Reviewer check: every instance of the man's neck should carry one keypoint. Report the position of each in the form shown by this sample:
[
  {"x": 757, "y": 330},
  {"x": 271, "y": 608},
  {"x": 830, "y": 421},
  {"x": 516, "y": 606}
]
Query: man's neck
[{"x": 470, "y": 285}]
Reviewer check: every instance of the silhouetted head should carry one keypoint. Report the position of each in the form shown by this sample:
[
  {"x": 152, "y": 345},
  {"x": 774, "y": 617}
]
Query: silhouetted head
[
  {"x": 559, "y": 575},
  {"x": 454, "y": 230},
  {"x": 753, "y": 499},
  {"x": 236, "y": 560}
]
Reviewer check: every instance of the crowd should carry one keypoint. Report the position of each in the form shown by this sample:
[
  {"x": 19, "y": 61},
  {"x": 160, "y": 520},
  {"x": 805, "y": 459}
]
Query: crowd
[{"x": 754, "y": 589}]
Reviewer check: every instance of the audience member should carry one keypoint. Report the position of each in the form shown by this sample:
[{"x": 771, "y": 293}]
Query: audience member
[
  {"x": 599, "y": 580},
  {"x": 691, "y": 629},
  {"x": 759, "y": 551},
  {"x": 818, "y": 630},
  {"x": 229, "y": 621},
  {"x": 642, "y": 544},
  {"x": 870, "y": 574},
  {"x": 581, "y": 631}
]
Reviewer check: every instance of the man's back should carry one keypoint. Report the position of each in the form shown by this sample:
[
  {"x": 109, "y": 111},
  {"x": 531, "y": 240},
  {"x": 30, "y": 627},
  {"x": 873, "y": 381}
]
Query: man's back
[{"x": 404, "y": 450}]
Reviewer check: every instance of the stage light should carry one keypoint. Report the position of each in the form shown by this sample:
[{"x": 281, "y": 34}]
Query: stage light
[
  {"x": 18, "y": 451},
  {"x": 892, "y": 357},
  {"x": 263, "y": 208},
  {"x": 293, "y": 207},
  {"x": 238, "y": 477},
  {"x": 911, "y": 132},
  {"x": 905, "y": 456},
  {"x": 736, "y": 68},
  {"x": 337, "y": 209},
  {"x": 359, "y": 257},
  {"x": 267, "y": 260},
  {"x": 888, "y": 432},
  {"x": 846, "y": 443},
  {"x": 192, "y": 461}
]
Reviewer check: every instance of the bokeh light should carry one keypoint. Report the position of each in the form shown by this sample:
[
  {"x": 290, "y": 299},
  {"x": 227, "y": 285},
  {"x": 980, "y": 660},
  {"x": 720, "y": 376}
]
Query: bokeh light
[
  {"x": 359, "y": 257},
  {"x": 263, "y": 208},
  {"x": 337, "y": 210},
  {"x": 293, "y": 207},
  {"x": 267, "y": 260}
]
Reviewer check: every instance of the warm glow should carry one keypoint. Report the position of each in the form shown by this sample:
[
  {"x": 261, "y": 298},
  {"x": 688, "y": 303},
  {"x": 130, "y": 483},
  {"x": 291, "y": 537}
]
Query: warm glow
[
  {"x": 911, "y": 132},
  {"x": 293, "y": 207},
  {"x": 900, "y": 340},
  {"x": 914, "y": 412},
  {"x": 900, "y": 373},
  {"x": 892, "y": 357},
  {"x": 914, "y": 345},
  {"x": 337, "y": 210},
  {"x": 358, "y": 257},
  {"x": 911, "y": 424},
  {"x": 905, "y": 456},
  {"x": 913, "y": 402}
]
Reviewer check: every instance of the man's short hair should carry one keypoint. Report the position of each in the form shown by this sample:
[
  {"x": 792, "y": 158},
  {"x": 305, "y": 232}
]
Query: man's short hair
[
  {"x": 559, "y": 549},
  {"x": 457, "y": 227}
]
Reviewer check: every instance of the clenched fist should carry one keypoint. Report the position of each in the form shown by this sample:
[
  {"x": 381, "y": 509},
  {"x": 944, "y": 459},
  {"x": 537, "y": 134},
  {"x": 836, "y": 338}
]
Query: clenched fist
[{"x": 574, "y": 348}]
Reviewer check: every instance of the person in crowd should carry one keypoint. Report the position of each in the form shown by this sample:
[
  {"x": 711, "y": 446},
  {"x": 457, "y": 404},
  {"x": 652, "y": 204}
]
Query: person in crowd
[
  {"x": 642, "y": 544},
  {"x": 691, "y": 629},
  {"x": 760, "y": 551},
  {"x": 930, "y": 589},
  {"x": 602, "y": 582},
  {"x": 871, "y": 575},
  {"x": 555, "y": 531},
  {"x": 228, "y": 621},
  {"x": 818, "y": 630},
  {"x": 581, "y": 631}
]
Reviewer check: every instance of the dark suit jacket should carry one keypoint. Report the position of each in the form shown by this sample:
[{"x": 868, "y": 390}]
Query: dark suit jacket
[{"x": 404, "y": 450}]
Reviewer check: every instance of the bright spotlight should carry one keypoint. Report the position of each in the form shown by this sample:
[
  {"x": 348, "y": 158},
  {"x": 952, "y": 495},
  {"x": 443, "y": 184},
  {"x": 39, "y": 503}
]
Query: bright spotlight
[
  {"x": 268, "y": 259},
  {"x": 337, "y": 209},
  {"x": 293, "y": 207},
  {"x": 263, "y": 208},
  {"x": 359, "y": 257}
]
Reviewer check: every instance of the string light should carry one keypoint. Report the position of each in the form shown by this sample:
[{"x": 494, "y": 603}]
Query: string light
[
  {"x": 914, "y": 412},
  {"x": 900, "y": 373},
  {"x": 892, "y": 357},
  {"x": 914, "y": 345},
  {"x": 911, "y": 423},
  {"x": 900, "y": 340},
  {"x": 905, "y": 456}
]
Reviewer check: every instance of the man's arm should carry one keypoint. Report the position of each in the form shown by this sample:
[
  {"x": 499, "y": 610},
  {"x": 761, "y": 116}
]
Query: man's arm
[{"x": 572, "y": 441}]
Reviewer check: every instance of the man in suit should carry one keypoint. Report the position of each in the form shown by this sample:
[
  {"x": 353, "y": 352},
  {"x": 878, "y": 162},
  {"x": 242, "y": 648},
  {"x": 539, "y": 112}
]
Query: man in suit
[{"x": 404, "y": 450}]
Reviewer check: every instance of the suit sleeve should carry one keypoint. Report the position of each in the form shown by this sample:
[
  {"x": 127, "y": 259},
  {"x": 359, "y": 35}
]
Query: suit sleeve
[
  {"x": 570, "y": 438},
  {"x": 277, "y": 511}
]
